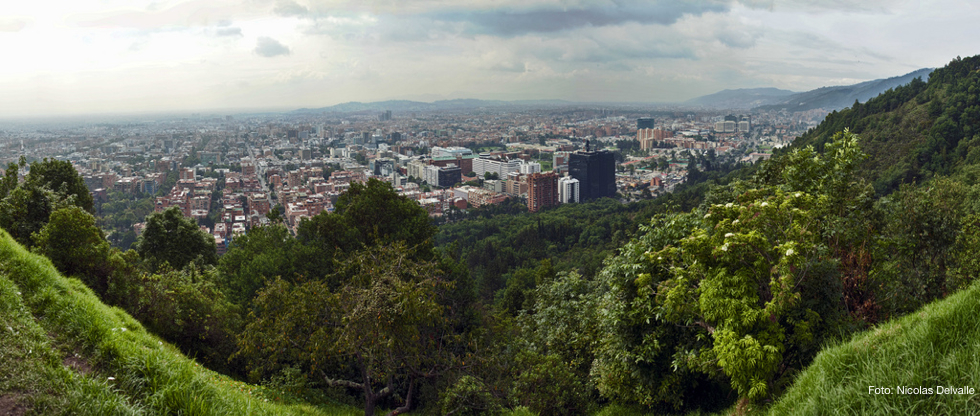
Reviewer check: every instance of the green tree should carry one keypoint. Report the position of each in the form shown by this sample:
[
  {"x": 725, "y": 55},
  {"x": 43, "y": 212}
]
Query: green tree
[
  {"x": 385, "y": 324},
  {"x": 61, "y": 177},
  {"x": 10, "y": 177},
  {"x": 366, "y": 215},
  {"x": 171, "y": 238},
  {"x": 26, "y": 209},
  {"x": 559, "y": 334},
  {"x": 641, "y": 356},
  {"x": 261, "y": 253},
  {"x": 186, "y": 307},
  {"x": 76, "y": 246}
]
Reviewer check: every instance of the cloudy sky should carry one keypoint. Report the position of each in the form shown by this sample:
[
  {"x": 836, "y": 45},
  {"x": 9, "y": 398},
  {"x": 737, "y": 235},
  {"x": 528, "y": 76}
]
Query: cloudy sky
[{"x": 98, "y": 56}]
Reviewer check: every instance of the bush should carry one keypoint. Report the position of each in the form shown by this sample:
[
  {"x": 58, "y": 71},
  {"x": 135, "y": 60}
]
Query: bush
[{"x": 470, "y": 396}]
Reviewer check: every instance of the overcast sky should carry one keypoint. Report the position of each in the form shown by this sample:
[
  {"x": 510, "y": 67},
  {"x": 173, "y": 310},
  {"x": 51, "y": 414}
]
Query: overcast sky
[{"x": 97, "y": 56}]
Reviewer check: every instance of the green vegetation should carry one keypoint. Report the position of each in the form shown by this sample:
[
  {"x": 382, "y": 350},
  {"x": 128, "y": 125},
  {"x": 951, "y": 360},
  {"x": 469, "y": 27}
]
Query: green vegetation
[
  {"x": 933, "y": 348},
  {"x": 718, "y": 297},
  {"x": 170, "y": 239},
  {"x": 111, "y": 364}
]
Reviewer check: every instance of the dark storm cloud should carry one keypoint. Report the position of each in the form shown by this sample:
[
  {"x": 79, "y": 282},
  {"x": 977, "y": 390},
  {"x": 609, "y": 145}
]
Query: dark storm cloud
[
  {"x": 522, "y": 22},
  {"x": 269, "y": 47}
]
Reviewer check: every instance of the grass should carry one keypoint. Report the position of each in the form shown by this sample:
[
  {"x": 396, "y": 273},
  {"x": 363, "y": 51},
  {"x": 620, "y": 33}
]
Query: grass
[
  {"x": 939, "y": 345},
  {"x": 33, "y": 377},
  {"x": 48, "y": 321}
]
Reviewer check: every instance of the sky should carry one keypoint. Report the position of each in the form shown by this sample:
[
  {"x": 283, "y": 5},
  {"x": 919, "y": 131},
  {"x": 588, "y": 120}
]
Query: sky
[{"x": 129, "y": 56}]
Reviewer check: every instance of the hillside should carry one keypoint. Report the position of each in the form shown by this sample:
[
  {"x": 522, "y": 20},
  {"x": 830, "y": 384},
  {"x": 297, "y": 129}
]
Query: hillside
[
  {"x": 743, "y": 98},
  {"x": 65, "y": 352},
  {"x": 440, "y": 105},
  {"x": 926, "y": 352},
  {"x": 828, "y": 98},
  {"x": 916, "y": 131},
  {"x": 838, "y": 97}
]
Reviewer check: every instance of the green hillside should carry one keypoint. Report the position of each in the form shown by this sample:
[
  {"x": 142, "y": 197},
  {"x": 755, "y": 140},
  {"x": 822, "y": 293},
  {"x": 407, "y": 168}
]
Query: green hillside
[
  {"x": 62, "y": 351},
  {"x": 934, "y": 348},
  {"x": 914, "y": 132}
]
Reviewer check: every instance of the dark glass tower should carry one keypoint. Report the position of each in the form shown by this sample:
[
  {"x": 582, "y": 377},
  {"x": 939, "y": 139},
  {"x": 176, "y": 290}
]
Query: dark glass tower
[
  {"x": 596, "y": 173},
  {"x": 644, "y": 123}
]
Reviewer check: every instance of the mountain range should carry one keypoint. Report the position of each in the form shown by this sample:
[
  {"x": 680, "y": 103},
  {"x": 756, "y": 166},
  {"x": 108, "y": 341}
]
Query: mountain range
[{"x": 827, "y": 98}]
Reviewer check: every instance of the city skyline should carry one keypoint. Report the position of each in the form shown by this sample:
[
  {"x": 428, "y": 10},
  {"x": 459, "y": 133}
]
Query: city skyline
[{"x": 114, "y": 56}]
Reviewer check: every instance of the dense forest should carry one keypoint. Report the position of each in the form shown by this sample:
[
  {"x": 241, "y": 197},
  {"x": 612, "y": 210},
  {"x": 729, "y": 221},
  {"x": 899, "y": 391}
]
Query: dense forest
[{"x": 715, "y": 296}]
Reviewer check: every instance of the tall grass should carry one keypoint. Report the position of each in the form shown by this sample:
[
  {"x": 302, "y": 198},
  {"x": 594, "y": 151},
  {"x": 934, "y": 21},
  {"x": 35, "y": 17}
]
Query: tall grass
[
  {"x": 32, "y": 371},
  {"x": 131, "y": 363},
  {"x": 939, "y": 345}
]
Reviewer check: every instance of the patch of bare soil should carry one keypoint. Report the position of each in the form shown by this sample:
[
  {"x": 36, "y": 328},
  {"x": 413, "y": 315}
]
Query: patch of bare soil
[
  {"x": 13, "y": 404},
  {"x": 77, "y": 363}
]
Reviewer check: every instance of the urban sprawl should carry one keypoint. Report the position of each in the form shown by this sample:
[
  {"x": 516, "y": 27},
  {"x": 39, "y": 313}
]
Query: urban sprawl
[{"x": 229, "y": 172}]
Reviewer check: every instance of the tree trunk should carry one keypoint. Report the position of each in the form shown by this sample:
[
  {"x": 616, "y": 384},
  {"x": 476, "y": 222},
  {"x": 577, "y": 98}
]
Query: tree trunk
[{"x": 405, "y": 408}]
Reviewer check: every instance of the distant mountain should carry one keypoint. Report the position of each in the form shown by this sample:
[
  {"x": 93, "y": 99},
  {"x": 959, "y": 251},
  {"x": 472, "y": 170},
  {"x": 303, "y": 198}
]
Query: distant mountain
[
  {"x": 744, "y": 98},
  {"x": 406, "y": 105},
  {"x": 828, "y": 98},
  {"x": 836, "y": 98}
]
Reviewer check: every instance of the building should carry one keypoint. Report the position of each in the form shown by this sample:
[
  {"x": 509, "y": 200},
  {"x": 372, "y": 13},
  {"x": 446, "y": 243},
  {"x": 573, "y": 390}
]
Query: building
[
  {"x": 502, "y": 168},
  {"x": 449, "y": 176},
  {"x": 528, "y": 168},
  {"x": 450, "y": 151},
  {"x": 542, "y": 191},
  {"x": 649, "y": 137},
  {"x": 443, "y": 176},
  {"x": 596, "y": 173},
  {"x": 644, "y": 123},
  {"x": 568, "y": 190},
  {"x": 744, "y": 124}
]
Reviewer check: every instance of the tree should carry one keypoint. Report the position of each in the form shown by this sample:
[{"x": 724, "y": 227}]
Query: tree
[
  {"x": 369, "y": 214},
  {"x": 10, "y": 177},
  {"x": 381, "y": 332},
  {"x": 171, "y": 238},
  {"x": 61, "y": 177},
  {"x": 559, "y": 334},
  {"x": 260, "y": 254},
  {"x": 76, "y": 246},
  {"x": 275, "y": 215},
  {"x": 25, "y": 210}
]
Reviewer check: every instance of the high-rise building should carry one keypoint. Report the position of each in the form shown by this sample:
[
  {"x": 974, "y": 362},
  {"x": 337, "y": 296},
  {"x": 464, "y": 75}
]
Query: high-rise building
[
  {"x": 568, "y": 190},
  {"x": 644, "y": 123},
  {"x": 542, "y": 191},
  {"x": 443, "y": 176},
  {"x": 596, "y": 172},
  {"x": 744, "y": 124}
]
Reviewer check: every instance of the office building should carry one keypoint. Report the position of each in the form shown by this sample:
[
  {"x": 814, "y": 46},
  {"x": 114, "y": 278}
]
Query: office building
[
  {"x": 644, "y": 123},
  {"x": 596, "y": 173},
  {"x": 502, "y": 168}
]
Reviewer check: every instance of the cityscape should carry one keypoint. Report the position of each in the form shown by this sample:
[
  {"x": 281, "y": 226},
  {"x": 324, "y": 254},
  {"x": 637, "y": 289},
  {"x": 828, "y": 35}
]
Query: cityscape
[
  {"x": 229, "y": 171},
  {"x": 489, "y": 208}
]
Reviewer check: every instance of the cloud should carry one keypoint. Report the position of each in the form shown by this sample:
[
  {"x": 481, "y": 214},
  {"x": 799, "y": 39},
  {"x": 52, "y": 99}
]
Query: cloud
[
  {"x": 289, "y": 8},
  {"x": 8, "y": 24},
  {"x": 228, "y": 31},
  {"x": 269, "y": 47},
  {"x": 824, "y": 6},
  {"x": 187, "y": 14},
  {"x": 515, "y": 22}
]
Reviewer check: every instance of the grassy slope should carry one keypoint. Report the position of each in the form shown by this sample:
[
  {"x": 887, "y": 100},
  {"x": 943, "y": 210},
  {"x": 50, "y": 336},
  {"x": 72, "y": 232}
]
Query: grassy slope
[
  {"x": 45, "y": 318},
  {"x": 938, "y": 345}
]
